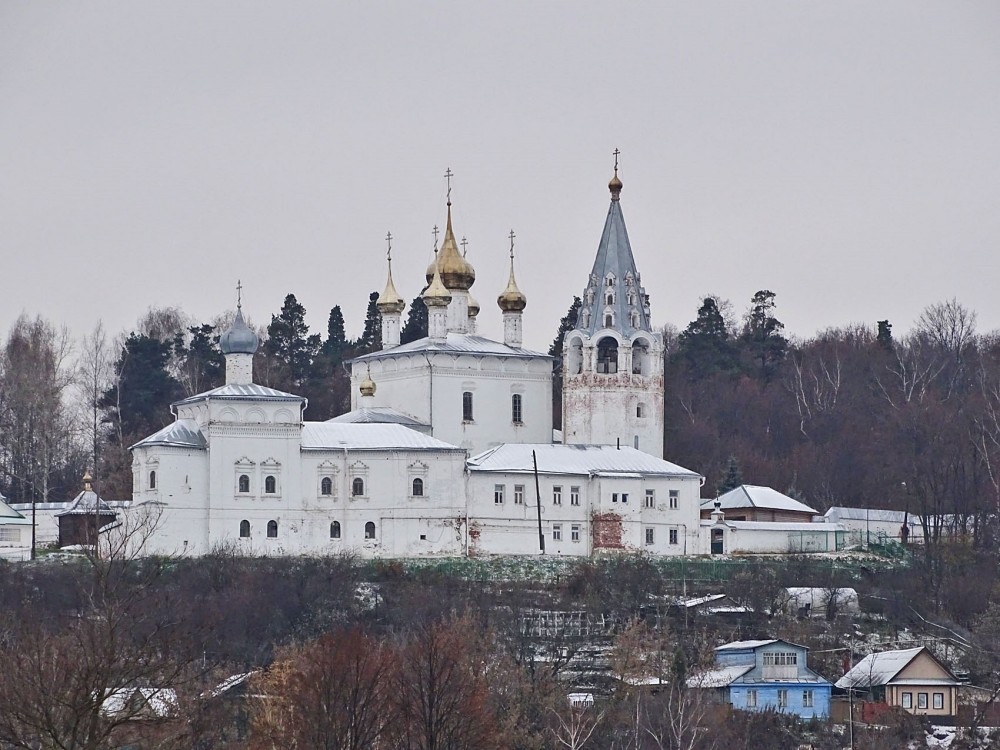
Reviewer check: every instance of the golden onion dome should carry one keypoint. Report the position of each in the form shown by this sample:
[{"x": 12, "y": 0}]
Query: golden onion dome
[
  {"x": 512, "y": 299},
  {"x": 473, "y": 306},
  {"x": 615, "y": 186},
  {"x": 367, "y": 386},
  {"x": 436, "y": 294},
  {"x": 456, "y": 272},
  {"x": 390, "y": 301}
]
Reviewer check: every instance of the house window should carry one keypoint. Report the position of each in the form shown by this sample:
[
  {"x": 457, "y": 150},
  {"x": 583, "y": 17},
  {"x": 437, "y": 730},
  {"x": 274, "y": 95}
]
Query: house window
[
  {"x": 574, "y": 532},
  {"x": 518, "y": 494},
  {"x": 557, "y": 495},
  {"x": 751, "y": 699},
  {"x": 938, "y": 701},
  {"x": 498, "y": 494},
  {"x": 782, "y": 698},
  {"x": 921, "y": 700},
  {"x": 326, "y": 486},
  {"x": 418, "y": 487},
  {"x": 244, "y": 529},
  {"x": 674, "y": 498},
  {"x": 467, "y": 406},
  {"x": 635, "y": 442},
  {"x": 650, "y": 500},
  {"x": 614, "y": 497},
  {"x": 370, "y": 530},
  {"x": 906, "y": 700},
  {"x": 270, "y": 485},
  {"x": 557, "y": 532},
  {"x": 624, "y": 497},
  {"x": 649, "y": 535},
  {"x": 152, "y": 480},
  {"x": 272, "y": 529},
  {"x": 358, "y": 487},
  {"x": 673, "y": 536},
  {"x": 574, "y": 495},
  {"x": 639, "y": 411},
  {"x": 807, "y": 699},
  {"x": 244, "y": 483},
  {"x": 780, "y": 658},
  {"x": 516, "y": 415},
  {"x": 335, "y": 530}
]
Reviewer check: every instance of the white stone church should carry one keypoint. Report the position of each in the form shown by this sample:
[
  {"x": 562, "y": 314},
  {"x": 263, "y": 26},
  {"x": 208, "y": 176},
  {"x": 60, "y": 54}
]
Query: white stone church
[{"x": 449, "y": 448}]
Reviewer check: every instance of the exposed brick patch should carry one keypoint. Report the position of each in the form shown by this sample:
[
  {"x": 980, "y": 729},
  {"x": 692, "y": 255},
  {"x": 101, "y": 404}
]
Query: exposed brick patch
[{"x": 607, "y": 531}]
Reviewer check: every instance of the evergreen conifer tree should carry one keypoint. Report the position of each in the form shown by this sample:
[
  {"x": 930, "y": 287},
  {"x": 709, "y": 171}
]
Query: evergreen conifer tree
[
  {"x": 732, "y": 479},
  {"x": 288, "y": 341},
  {"x": 884, "y": 337},
  {"x": 371, "y": 337},
  {"x": 415, "y": 327},
  {"x": 705, "y": 346},
  {"x": 762, "y": 333}
]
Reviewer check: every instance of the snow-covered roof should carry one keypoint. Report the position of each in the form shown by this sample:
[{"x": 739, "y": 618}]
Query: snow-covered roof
[
  {"x": 183, "y": 433},
  {"x": 745, "y": 645},
  {"x": 752, "y": 496},
  {"x": 721, "y": 677},
  {"x": 459, "y": 343},
  {"x": 334, "y": 435},
  {"x": 378, "y": 415},
  {"x": 879, "y": 669},
  {"x": 162, "y": 702},
  {"x": 9, "y": 516},
  {"x": 840, "y": 513},
  {"x": 817, "y": 528},
  {"x": 87, "y": 503},
  {"x": 584, "y": 460},
  {"x": 241, "y": 392}
]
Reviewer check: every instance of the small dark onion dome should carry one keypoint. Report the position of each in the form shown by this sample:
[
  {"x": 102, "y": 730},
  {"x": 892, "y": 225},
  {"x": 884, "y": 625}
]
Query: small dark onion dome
[{"x": 239, "y": 339}]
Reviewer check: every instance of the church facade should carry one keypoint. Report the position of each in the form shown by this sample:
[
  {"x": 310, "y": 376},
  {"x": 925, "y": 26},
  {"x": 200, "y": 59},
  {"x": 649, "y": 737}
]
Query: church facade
[{"x": 448, "y": 448}]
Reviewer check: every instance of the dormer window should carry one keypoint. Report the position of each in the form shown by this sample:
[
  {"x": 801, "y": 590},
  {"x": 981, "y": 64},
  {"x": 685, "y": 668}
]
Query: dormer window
[{"x": 610, "y": 298}]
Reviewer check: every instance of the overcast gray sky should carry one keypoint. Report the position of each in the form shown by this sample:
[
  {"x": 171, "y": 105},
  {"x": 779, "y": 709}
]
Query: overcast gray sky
[{"x": 845, "y": 155}]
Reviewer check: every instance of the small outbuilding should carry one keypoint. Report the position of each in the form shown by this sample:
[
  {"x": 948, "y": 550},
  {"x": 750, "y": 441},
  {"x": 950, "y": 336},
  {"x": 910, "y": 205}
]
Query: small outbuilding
[
  {"x": 84, "y": 517},
  {"x": 912, "y": 679},
  {"x": 749, "y": 502}
]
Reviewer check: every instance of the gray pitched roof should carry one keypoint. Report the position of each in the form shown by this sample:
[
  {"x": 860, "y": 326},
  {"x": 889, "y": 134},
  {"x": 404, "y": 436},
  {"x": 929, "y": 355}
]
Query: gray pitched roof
[
  {"x": 87, "y": 503},
  {"x": 614, "y": 256},
  {"x": 457, "y": 343},
  {"x": 183, "y": 433},
  {"x": 583, "y": 460},
  {"x": 752, "y": 496},
  {"x": 379, "y": 415},
  {"x": 242, "y": 392}
]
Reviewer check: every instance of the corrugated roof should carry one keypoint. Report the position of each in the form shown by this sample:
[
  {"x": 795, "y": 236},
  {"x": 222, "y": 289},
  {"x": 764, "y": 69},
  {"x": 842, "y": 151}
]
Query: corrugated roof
[
  {"x": 184, "y": 433},
  {"x": 10, "y": 516},
  {"x": 721, "y": 677},
  {"x": 878, "y": 669},
  {"x": 378, "y": 415},
  {"x": 87, "y": 503},
  {"x": 574, "y": 459},
  {"x": 840, "y": 513},
  {"x": 745, "y": 645},
  {"x": 818, "y": 528},
  {"x": 465, "y": 343},
  {"x": 752, "y": 496},
  {"x": 242, "y": 392},
  {"x": 337, "y": 436}
]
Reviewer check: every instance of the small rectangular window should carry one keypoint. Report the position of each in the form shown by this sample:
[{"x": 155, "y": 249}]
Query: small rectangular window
[
  {"x": 556, "y": 532},
  {"x": 922, "y": 700},
  {"x": 650, "y": 501},
  {"x": 906, "y": 700},
  {"x": 635, "y": 442},
  {"x": 674, "y": 497},
  {"x": 498, "y": 490},
  {"x": 938, "y": 701},
  {"x": 673, "y": 536},
  {"x": 518, "y": 494},
  {"x": 574, "y": 533},
  {"x": 751, "y": 698},
  {"x": 614, "y": 497},
  {"x": 782, "y": 698},
  {"x": 467, "y": 406},
  {"x": 624, "y": 497},
  {"x": 516, "y": 413},
  {"x": 557, "y": 495},
  {"x": 807, "y": 698},
  {"x": 574, "y": 495},
  {"x": 649, "y": 536}
]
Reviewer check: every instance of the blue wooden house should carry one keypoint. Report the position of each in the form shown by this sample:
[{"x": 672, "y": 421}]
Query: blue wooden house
[{"x": 767, "y": 674}]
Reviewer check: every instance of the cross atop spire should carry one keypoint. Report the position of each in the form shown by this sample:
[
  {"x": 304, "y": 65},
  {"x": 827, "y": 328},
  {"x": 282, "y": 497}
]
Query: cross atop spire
[
  {"x": 239, "y": 294},
  {"x": 465, "y": 251},
  {"x": 616, "y": 152},
  {"x": 448, "y": 174},
  {"x": 615, "y": 186},
  {"x": 388, "y": 252},
  {"x": 512, "y": 236},
  {"x": 435, "y": 232}
]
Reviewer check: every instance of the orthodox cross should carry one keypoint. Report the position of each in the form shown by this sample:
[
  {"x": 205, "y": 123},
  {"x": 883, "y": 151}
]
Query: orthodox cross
[
  {"x": 448, "y": 174},
  {"x": 464, "y": 250},
  {"x": 616, "y": 153},
  {"x": 512, "y": 236},
  {"x": 388, "y": 239},
  {"x": 435, "y": 230},
  {"x": 239, "y": 294}
]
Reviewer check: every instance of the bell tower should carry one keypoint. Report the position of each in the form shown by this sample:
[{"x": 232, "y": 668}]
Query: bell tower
[{"x": 613, "y": 359}]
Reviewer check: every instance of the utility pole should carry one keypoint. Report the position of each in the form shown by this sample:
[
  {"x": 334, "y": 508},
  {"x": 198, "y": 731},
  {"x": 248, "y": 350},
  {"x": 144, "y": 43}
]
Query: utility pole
[{"x": 538, "y": 504}]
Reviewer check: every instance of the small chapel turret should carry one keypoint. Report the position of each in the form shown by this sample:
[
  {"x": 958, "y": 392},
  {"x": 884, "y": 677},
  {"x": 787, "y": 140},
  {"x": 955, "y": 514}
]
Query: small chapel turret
[
  {"x": 512, "y": 303},
  {"x": 238, "y": 343},
  {"x": 613, "y": 359},
  {"x": 390, "y": 305}
]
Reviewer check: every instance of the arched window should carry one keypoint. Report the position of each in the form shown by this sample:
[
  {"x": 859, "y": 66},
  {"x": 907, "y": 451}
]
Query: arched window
[
  {"x": 152, "y": 480},
  {"x": 611, "y": 280},
  {"x": 610, "y": 298},
  {"x": 516, "y": 414},
  {"x": 272, "y": 529},
  {"x": 270, "y": 485},
  {"x": 642, "y": 361},
  {"x": 586, "y": 318},
  {"x": 634, "y": 318},
  {"x": 609, "y": 320},
  {"x": 607, "y": 355},
  {"x": 326, "y": 486},
  {"x": 418, "y": 487},
  {"x": 244, "y": 529},
  {"x": 467, "y": 406},
  {"x": 335, "y": 530},
  {"x": 370, "y": 530},
  {"x": 358, "y": 487},
  {"x": 244, "y": 483}
]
